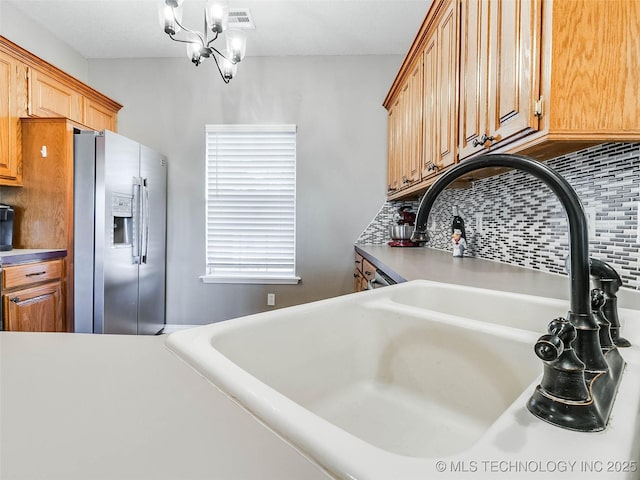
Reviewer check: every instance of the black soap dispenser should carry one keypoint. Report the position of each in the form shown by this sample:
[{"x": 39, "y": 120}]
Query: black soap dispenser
[{"x": 458, "y": 223}]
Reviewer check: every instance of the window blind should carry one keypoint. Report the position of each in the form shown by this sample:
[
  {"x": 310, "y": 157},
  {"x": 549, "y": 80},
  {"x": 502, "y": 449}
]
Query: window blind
[{"x": 251, "y": 203}]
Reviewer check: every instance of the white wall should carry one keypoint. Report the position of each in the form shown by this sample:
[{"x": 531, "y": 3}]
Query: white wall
[
  {"x": 336, "y": 103},
  {"x": 36, "y": 39}
]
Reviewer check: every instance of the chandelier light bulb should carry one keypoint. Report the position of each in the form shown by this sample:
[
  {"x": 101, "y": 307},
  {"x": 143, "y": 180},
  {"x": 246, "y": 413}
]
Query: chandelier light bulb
[
  {"x": 193, "y": 51},
  {"x": 236, "y": 45},
  {"x": 169, "y": 18},
  {"x": 217, "y": 16},
  {"x": 227, "y": 69}
]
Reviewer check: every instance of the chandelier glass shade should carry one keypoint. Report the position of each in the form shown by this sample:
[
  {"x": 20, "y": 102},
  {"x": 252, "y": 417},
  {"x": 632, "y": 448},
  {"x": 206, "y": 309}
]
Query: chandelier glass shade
[{"x": 200, "y": 44}]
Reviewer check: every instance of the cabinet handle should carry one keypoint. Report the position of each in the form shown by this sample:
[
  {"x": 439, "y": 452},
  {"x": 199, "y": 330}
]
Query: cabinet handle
[
  {"x": 30, "y": 300},
  {"x": 34, "y": 274},
  {"x": 432, "y": 167},
  {"x": 483, "y": 140}
]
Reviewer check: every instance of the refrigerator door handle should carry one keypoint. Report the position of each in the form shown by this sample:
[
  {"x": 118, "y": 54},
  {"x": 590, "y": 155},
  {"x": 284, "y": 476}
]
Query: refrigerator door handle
[
  {"x": 146, "y": 215},
  {"x": 137, "y": 221}
]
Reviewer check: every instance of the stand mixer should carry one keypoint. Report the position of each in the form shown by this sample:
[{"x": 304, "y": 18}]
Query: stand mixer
[{"x": 402, "y": 228}]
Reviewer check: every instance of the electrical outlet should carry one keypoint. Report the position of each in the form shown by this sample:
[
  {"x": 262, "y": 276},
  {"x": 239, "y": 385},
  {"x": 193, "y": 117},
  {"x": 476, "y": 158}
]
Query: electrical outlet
[
  {"x": 590, "y": 212},
  {"x": 271, "y": 299}
]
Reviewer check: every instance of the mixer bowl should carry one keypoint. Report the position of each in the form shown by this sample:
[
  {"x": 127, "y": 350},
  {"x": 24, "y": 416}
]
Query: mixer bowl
[{"x": 401, "y": 232}]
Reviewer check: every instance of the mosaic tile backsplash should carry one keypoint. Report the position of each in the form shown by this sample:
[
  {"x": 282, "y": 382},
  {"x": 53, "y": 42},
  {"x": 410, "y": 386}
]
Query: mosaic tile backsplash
[{"x": 516, "y": 219}]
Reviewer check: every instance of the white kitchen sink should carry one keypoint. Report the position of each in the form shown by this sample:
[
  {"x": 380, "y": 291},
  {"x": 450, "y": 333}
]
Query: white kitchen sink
[
  {"x": 381, "y": 384},
  {"x": 502, "y": 308},
  {"x": 403, "y": 383}
]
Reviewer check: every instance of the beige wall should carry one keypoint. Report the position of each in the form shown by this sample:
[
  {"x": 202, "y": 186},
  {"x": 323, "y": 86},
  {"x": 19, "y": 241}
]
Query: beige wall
[
  {"x": 334, "y": 101},
  {"x": 336, "y": 104}
]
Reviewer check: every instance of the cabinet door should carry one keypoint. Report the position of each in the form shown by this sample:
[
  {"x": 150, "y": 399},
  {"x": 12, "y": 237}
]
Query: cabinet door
[
  {"x": 9, "y": 147},
  {"x": 393, "y": 158},
  {"x": 474, "y": 58},
  {"x": 402, "y": 141},
  {"x": 50, "y": 98},
  {"x": 514, "y": 67},
  {"x": 97, "y": 117},
  {"x": 500, "y": 73},
  {"x": 413, "y": 135},
  {"x": 440, "y": 94},
  {"x": 448, "y": 86},
  {"x": 37, "y": 309},
  {"x": 430, "y": 123}
]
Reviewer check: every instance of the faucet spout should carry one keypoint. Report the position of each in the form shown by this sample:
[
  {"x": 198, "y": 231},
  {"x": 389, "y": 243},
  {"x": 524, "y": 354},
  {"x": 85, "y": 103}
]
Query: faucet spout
[
  {"x": 578, "y": 229},
  {"x": 577, "y": 413}
]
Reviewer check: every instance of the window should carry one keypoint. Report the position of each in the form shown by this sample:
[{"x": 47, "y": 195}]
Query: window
[{"x": 251, "y": 204}]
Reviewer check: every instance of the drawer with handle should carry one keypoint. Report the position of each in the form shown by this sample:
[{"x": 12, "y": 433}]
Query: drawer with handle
[
  {"x": 30, "y": 273},
  {"x": 368, "y": 270}
]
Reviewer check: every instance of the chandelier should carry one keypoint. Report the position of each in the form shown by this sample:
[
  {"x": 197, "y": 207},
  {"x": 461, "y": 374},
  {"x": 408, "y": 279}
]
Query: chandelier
[{"x": 200, "y": 45}]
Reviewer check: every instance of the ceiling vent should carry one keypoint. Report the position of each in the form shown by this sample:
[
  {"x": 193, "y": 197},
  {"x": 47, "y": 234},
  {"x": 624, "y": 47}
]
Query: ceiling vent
[{"x": 241, "y": 19}]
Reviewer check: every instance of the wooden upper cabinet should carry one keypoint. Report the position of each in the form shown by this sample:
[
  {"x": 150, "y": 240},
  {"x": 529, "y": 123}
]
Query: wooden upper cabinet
[
  {"x": 42, "y": 90},
  {"x": 393, "y": 162},
  {"x": 593, "y": 69},
  {"x": 580, "y": 78},
  {"x": 98, "y": 117},
  {"x": 440, "y": 94},
  {"x": 413, "y": 127},
  {"x": 500, "y": 72},
  {"x": 474, "y": 69},
  {"x": 31, "y": 87},
  {"x": 514, "y": 62},
  {"x": 12, "y": 94},
  {"x": 447, "y": 88},
  {"x": 430, "y": 142},
  {"x": 540, "y": 78},
  {"x": 423, "y": 108},
  {"x": 405, "y": 134},
  {"x": 50, "y": 98}
]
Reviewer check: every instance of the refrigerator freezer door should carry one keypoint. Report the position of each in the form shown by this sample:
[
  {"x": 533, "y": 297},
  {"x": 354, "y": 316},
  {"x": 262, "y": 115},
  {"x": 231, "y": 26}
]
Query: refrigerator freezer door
[
  {"x": 117, "y": 228},
  {"x": 84, "y": 148},
  {"x": 151, "y": 301}
]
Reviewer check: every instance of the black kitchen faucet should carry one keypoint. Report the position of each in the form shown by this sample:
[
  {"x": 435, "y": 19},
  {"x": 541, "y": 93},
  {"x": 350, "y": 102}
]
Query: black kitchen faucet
[{"x": 580, "y": 380}]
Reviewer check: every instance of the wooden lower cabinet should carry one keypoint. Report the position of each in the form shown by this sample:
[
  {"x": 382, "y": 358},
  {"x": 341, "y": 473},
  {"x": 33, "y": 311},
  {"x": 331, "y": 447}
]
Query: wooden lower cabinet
[
  {"x": 359, "y": 281},
  {"x": 44, "y": 206},
  {"x": 363, "y": 274},
  {"x": 32, "y": 298},
  {"x": 37, "y": 309}
]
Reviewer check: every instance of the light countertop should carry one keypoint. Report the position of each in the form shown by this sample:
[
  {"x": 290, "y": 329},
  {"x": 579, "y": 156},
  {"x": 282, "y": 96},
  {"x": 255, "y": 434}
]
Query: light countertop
[
  {"x": 414, "y": 263},
  {"x": 23, "y": 255},
  {"x": 117, "y": 407}
]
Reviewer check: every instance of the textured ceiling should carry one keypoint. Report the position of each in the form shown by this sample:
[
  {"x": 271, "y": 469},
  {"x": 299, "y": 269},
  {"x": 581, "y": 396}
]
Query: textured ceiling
[{"x": 130, "y": 29}]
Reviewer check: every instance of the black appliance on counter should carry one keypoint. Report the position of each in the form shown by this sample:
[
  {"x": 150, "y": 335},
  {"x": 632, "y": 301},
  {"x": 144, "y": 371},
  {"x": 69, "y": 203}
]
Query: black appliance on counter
[{"x": 6, "y": 227}]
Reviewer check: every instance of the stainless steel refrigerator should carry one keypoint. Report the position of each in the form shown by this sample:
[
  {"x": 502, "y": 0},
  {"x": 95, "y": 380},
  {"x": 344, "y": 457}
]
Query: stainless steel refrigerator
[{"x": 119, "y": 235}]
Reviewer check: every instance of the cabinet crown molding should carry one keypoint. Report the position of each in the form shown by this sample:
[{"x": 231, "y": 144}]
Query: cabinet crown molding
[{"x": 33, "y": 61}]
